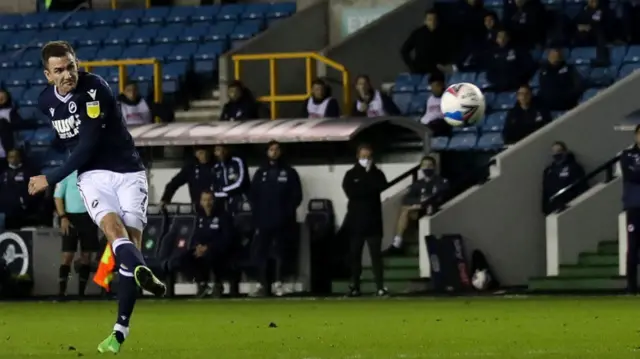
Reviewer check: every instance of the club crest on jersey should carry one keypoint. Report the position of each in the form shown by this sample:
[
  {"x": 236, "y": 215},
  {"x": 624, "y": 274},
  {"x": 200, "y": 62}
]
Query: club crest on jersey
[
  {"x": 93, "y": 109},
  {"x": 72, "y": 107}
]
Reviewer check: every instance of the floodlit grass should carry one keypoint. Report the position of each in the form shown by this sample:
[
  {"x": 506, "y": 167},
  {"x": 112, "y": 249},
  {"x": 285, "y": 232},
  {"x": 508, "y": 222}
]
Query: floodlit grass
[{"x": 562, "y": 328}]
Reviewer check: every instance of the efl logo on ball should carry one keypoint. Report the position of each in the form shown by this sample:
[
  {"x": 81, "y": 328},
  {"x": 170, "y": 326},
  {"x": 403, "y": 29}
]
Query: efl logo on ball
[{"x": 463, "y": 104}]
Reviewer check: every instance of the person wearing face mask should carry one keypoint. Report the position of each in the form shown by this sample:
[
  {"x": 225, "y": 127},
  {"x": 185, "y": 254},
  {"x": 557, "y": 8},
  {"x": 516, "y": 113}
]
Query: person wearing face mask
[
  {"x": 563, "y": 171},
  {"x": 135, "y": 109},
  {"x": 15, "y": 201},
  {"x": 371, "y": 102},
  {"x": 198, "y": 175},
  {"x": 320, "y": 104},
  {"x": 423, "y": 198},
  {"x": 276, "y": 193},
  {"x": 363, "y": 184},
  {"x": 630, "y": 167},
  {"x": 241, "y": 106},
  {"x": 524, "y": 118},
  {"x": 560, "y": 83}
]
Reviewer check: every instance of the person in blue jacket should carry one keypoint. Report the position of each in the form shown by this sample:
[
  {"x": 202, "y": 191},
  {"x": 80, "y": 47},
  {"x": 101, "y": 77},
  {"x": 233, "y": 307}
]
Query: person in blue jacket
[{"x": 275, "y": 195}]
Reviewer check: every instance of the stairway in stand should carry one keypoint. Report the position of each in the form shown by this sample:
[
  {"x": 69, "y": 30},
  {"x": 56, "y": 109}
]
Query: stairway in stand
[{"x": 594, "y": 271}]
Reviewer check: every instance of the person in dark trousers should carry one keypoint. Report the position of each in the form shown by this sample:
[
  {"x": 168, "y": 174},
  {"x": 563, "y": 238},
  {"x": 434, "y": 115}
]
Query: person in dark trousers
[
  {"x": 210, "y": 248},
  {"x": 563, "y": 171},
  {"x": 363, "y": 185},
  {"x": 15, "y": 201},
  {"x": 231, "y": 176},
  {"x": 630, "y": 166},
  {"x": 524, "y": 118},
  {"x": 423, "y": 198},
  {"x": 320, "y": 104},
  {"x": 508, "y": 67},
  {"x": 276, "y": 193},
  {"x": 428, "y": 47},
  {"x": 197, "y": 175},
  {"x": 560, "y": 83},
  {"x": 371, "y": 102},
  {"x": 242, "y": 105}
]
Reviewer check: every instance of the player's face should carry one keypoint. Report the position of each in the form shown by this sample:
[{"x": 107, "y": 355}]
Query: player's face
[
  {"x": 220, "y": 152},
  {"x": 202, "y": 156},
  {"x": 273, "y": 152},
  {"x": 317, "y": 91},
  {"x": 206, "y": 201},
  {"x": 63, "y": 73}
]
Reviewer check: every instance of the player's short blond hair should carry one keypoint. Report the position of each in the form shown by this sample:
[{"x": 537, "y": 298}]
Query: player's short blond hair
[{"x": 55, "y": 49}]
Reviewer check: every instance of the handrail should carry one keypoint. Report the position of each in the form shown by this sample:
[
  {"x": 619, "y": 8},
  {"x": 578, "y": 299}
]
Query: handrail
[
  {"x": 114, "y": 4},
  {"x": 558, "y": 200},
  {"x": 413, "y": 172},
  {"x": 273, "y": 98},
  {"x": 122, "y": 73}
]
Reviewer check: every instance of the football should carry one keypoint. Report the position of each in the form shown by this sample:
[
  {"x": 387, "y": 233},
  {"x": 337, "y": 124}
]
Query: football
[{"x": 462, "y": 104}]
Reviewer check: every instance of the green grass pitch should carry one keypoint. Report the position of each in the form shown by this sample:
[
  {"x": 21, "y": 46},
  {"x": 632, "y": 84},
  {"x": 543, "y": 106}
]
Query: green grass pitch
[{"x": 536, "y": 327}]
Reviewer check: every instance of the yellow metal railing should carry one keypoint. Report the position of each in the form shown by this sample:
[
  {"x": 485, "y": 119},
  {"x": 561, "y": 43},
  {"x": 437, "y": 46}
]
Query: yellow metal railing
[
  {"x": 273, "y": 98},
  {"x": 122, "y": 73},
  {"x": 114, "y": 4}
]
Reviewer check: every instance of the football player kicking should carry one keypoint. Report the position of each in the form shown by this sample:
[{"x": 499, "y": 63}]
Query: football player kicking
[{"x": 111, "y": 176}]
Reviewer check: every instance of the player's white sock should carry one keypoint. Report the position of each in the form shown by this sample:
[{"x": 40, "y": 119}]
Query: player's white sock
[
  {"x": 124, "y": 331},
  {"x": 397, "y": 241}
]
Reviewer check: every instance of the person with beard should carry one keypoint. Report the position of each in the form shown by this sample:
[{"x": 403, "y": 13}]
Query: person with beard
[
  {"x": 508, "y": 67},
  {"x": 134, "y": 108},
  {"x": 320, "y": 104},
  {"x": 563, "y": 171},
  {"x": 198, "y": 175},
  {"x": 241, "y": 106},
  {"x": 593, "y": 25},
  {"x": 276, "y": 193},
  {"x": 15, "y": 201},
  {"x": 433, "y": 117},
  {"x": 371, "y": 102},
  {"x": 560, "y": 83},
  {"x": 526, "y": 20},
  {"x": 524, "y": 118},
  {"x": 431, "y": 47}
]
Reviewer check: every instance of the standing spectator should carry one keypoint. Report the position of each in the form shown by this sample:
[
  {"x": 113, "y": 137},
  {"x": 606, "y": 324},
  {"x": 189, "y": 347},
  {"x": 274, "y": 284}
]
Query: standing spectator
[
  {"x": 508, "y": 67},
  {"x": 9, "y": 118},
  {"x": 231, "y": 176},
  {"x": 371, "y": 102},
  {"x": 524, "y": 118},
  {"x": 363, "y": 185},
  {"x": 560, "y": 83},
  {"x": 430, "y": 45},
  {"x": 197, "y": 175},
  {"x": 563, "y": 171},
  {"x": 276, "y": 193},
  {"x": 433, "y": 117},
  {"x": 77, "y": 227},
  {"x": 593, "y": 25},
  {"x": 135, "y": 109},
  {"x": 423, "y": 198},
  {"x": 630, "y": 166},
  {"x": 471, "y": 21},
  {"x": 320, "y": 104},
  {"x": 526, "y": 20},
  {"x": 242, "y": 105},
  {"x": 15, "y": 201},
  {"x": 631, "y": 21}
]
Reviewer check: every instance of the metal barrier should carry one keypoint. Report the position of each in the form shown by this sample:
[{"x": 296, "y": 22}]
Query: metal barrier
[
  {"x": 122, "y": 73},
  {"x": 273, "y": 98},
  {"x": 114, "y": 4}
]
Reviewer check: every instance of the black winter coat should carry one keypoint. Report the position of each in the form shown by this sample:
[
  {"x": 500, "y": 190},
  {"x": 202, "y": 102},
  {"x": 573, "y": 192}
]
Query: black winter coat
[{"x": 364, "y": 209}]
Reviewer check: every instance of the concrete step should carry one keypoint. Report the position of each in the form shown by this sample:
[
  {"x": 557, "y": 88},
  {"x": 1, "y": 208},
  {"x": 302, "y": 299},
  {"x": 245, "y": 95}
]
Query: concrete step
[
  {"x": 408, "y": 262},
  {"x": 577, "y": 284},
  {"x": 394, "y": 286},
  {"x": 197, "y": 115},
  {"x": 608, "y": 247},
  {"x": 579, "y": 271},
  {"x": 392, "y": 274},
  {"x": 202, "y": 104},
  {"x": 596, "y": 259}
]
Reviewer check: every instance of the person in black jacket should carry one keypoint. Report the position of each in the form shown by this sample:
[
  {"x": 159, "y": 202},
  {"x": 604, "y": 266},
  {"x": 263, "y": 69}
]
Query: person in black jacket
[
  {"x": 524, "y": 118},
  {"x": 423, "y": 198},
  {"x": 15, "y": 201},
  {"x": 276, "y": 193},
  {"x": 231, "y": 175},
  {"x": 198, "y": 175},
  {"x": 560, "y": 83},
  {"x": 630, "y": 167},
  {"x": 242, "y": 105},
  {"x": 363, "y": 185},
  {"x": 563, "y": 172},
  {"x": 507, "y": 66},
  {"x": 371, "y": 102},
  {"x": 526, "y": 20},
  {"x": 9, "y": 122},
  {"x": 320, "y": 104}
]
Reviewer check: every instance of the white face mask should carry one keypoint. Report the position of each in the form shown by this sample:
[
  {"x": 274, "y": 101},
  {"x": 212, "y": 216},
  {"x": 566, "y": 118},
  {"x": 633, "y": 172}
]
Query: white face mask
[{"x": 363, "y": 162}]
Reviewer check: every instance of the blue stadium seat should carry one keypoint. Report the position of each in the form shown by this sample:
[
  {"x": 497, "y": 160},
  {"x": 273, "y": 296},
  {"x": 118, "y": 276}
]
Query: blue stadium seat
[
  {"x": 494, "y": 122},
  {"x": 53, "y": 20},
  {"x": 20, "y": 78},
  {"x": 584, "y": 71},
  {"x": 557, "y": 114},
  {"x": 111, "y": 52},
  {"x": 53, "y": 158},
  {"x": 439, "y": 143},
  {"x": 195, "y": 32},
  {"x": 617, "y": 54},
  {"x": 504, "y": 101},
  {"x": 27, "y": 113},
  {"x": 481, "y": 81},
  {"x": 9, "y": 22},
  {"x": 205, "y": 68},
  {"x": 169, "y": 33},
  {"x": 181, "y": 13},
  {"x": 256, "y": 11},
  {"x": 7, "y": 61},
  {"x": 463, "y": 141},
  {"x": 25, "y": 136},
  {"x": 603, "y": 76},
  {"x": 418, "y": 103},
  {"x": 535, "y": 80},
  {"x": 183, "y": 52},
  {"x": 120, "y": 35},
  {"x": 582, "y": 55},
  {"x": 80, "y": 19},
  {"x": 87, "y": 52},
  {"x": 43, "y": 136},
  {"x": 205, "y": 13},
  {"x": 402, "y": 100},
  {"x": 245, "y": 31},
  {"x": 423, "y": 85},
  {"x": 490, "y": 141},
  {"x": 130, "y": 17},
  {"x": 45, "y": 36},
  {"x": 627, "y": 69},
  {"x": 155, "y": 15},
  {"x": 141, "y": 73},
  {"x": 472, "y": 129},
  {"x": 144, "y": 34},
  {"x": 21, "y": 39},
  {"x": 30, "y": 97},
  {"x": 101, "y": 71},
  {"x": 135, "y": 52},
  {"x": 175, "y": 70},
  {"x": 209, "y": 51},
  {"x": 230, "y": 12},
  {"x": 589, "y": 94},
  {"x": 29, "y": 58},
  {"x": 409, "y": 78},
  {"x": 32, "y": 21},
  {"x": 220, "y": 31},
  {"x": 160, "y": 51},
  {"x": 280, "y": 10},
  {"x": 104, "y": 18},
  {"x": 404, "y": 84},
  {"x": 462, "y": 77},
  {"x": 633, "y": 54},
  {"x": 82, "y": 37}
]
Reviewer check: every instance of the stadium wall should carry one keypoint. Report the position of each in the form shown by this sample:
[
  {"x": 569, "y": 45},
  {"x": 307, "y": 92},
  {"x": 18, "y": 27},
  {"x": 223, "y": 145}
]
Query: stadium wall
[
  {"x": 503, "y": 217},
  {"x": 307, "y": 30},
  {"x": 590, "y": 219}
]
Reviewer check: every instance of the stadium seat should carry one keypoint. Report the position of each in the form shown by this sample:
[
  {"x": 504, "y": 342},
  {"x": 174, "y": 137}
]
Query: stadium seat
[
  {"x": 490, "y": 141},
  {"x": 439, "y": 143},
  {"x": 169, "y": 33},
  {"x": 504, "y": 101},
  {"x": 89, "y": 38},
  {"x": 135, "y": 52},
  {"x": 183, "y": 52},
  {"x": 404, "y": 84},
  {"x": 43, "y": 136},
  {"x": 80, "y": 19},
  {"x": 418, "y": 104},
  {"x": 194, "y": 33},
  {"x": 462, "y": 77},
  {"x": 423, "y": 84},
  {"x": 30, "y": 96},
  {"x": 220, "y": 31},
  {"x": 589, "y": 94},
  {"x": 209, "y": 51},
  {"x": 21, "y": 39},
  {"x": 120, "y": 35},
  {"x": 584, "y": 71},
  {"x": 618, "y": 54},
  {"x": 9, "y": 22},
  {"x": 205, "y": 13},
  {"x": 160, "y": 51},
  {"x": 633, "y": 54},
  {"x": 230, "y": 12},
  {"x": 481, "y": 81},
  {"x": 141, "y": 73},
  {"x": 27, "y": 113},
  {"x": 144, "y": 34},
  {"x": 53, "y": 21},
  {"x": 155, "y": 15},
  {"x": 472, "y": 129},
  {"x": 582, "y": 55},
  {"x": 535, "y": 80},
  {"x": 402, "y": 100},
  {"x": 627, "y": 69},
  {"x": 32, "y": 21},
  {"x": 87, "y": 52},
  {"x": 20, "y": 78},
  {"x": 282, "y": 9},
  {"x": 603, "y": 76},
  {"x": 130, "y": 17},
  {"x": 246, "y": 30},
  {"x": 104, "y": 18},
  {"x": 255, "y": 11},
  {"x": 494, "y": 122},
  {"x": 111, "y": 52},
  {"x": 178, "y": 14},
  {"x": 463, "y": 141}
]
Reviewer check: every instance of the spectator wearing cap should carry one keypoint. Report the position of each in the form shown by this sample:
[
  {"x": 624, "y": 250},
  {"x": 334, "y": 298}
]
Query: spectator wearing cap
[
  {"x": 524, "y": 118},
  {"x": 371, "y": 102},
  {"x": 560, "y": 83},
  {"x": 242, "y": 105},
  {"x": 428, "y": 47},
  {"x": 198, "y": 175},
  {"x": 432, "y": 116},
  {"x": 320, "y": 104},
  {"x": 508, "y": 67}
]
